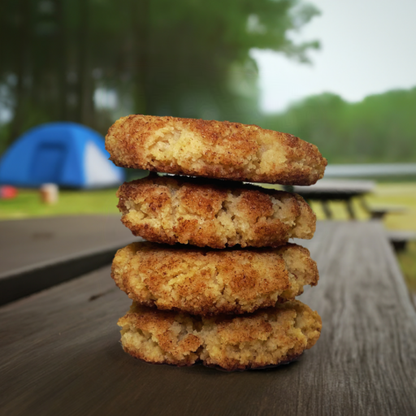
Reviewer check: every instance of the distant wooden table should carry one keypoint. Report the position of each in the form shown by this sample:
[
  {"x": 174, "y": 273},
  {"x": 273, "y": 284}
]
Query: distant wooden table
[
  {"x": 60, "y": 352},
  {"x": 336, "y": 190}
]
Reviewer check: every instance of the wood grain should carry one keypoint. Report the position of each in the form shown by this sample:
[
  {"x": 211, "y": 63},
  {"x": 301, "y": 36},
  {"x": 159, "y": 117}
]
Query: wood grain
[
  {"x": 29, "y": 243},
  {"x": 60, "y": 351},
  {"x": 38, "y": 253}
]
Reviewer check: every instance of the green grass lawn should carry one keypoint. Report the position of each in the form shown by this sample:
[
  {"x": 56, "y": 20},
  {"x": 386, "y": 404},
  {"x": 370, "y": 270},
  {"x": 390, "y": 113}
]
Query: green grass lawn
[
  {"x": 401, "y": 195},
  {"x": 28, "y": 204},
  {"x": 407, "y": 262}
]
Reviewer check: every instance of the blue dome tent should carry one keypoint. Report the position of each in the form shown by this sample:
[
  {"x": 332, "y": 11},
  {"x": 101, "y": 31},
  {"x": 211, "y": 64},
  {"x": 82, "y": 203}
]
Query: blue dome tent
[{"x": 68, "y": 154}]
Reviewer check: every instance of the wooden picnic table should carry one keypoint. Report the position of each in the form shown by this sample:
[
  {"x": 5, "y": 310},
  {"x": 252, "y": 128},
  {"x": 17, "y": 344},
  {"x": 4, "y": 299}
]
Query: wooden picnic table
[
  {"x": 40, "y": 252},
  {"x": 60, "y": 350},
  {"x": 328, "y": 190}
]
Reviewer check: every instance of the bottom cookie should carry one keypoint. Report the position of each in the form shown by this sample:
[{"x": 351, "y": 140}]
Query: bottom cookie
[{"x": 267, "y": 337}]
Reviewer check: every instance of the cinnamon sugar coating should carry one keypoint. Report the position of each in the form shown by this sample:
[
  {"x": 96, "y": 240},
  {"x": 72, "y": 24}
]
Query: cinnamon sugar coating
[
  {"x": 213, "y": 149},
  {"x": 213, "y": 213},
  {"x": 211, "y": 282},
  {"x": 267, "y": 337}
]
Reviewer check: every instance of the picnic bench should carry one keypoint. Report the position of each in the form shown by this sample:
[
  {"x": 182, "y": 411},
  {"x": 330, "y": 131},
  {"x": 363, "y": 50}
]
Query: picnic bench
[
  {"x": 329, "y": 190},
  {"x": 335, "y": 190},
  {"x": 400, "y": 238},
  {"x": 60, "y": 350}
]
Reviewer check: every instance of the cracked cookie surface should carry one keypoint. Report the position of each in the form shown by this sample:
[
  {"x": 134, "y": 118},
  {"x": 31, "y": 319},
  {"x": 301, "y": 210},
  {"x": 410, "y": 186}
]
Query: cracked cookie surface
[
  {"x": 216, "y": 214},
  {"x": 267, "y": 337},
  {"x": 209, "y": 282},
  {"x": 213, "y": 149}
]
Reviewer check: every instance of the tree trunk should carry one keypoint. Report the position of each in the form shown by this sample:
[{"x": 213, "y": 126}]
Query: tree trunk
[
  {"x": 141, "y": 31},
  {"x": 85, "y": 113},
  {"x": 21, "y": 64},
  {"x": 62, "y": 60}
]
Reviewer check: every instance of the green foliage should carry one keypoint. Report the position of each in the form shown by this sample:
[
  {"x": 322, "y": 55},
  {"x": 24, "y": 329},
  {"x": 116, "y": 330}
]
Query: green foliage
[
  {"x": 407, "y": 261},
  {"x": 4, "y": 134},
  {"x": 381, "y": 128},
  {"x": 182, "y": 57}
]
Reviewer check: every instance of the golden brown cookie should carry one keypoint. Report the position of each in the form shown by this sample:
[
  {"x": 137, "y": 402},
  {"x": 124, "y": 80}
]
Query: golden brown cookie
[
  {"x": 213, "y": 149},
  {"x": 208, "y": 282},
  {"x": 216, "y": 214},
  {"x": 267, "y": 337}
]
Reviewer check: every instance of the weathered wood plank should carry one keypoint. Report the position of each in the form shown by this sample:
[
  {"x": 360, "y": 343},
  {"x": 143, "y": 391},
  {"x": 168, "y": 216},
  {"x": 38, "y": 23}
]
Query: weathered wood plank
[
  {"x": 60, "y": 352},
  {"x": 42, "y": 252},
  {"x": 369, "y": 324},
  {"x": 26, "y": 243}
]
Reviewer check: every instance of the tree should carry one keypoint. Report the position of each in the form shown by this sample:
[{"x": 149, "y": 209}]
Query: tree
[
  {"x": 186, "y": 58},
  {"x": 381, "y": 128}
]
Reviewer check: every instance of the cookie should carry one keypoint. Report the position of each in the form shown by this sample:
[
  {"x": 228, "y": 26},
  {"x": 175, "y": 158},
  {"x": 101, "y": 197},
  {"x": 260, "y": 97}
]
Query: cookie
[
  {"x": 267, "y": 337},
  {"x": 215, "y": 214},
  {"x": 208, "y": 282},
  {"x": 213, "y": 149}
]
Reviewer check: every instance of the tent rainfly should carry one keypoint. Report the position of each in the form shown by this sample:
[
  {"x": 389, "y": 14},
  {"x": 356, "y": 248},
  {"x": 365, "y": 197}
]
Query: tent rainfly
[{"x": 67, "y": 154}]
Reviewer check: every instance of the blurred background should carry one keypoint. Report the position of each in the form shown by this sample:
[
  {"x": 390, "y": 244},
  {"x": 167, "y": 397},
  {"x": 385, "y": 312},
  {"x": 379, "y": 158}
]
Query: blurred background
[{"x": 341, "y": 75}]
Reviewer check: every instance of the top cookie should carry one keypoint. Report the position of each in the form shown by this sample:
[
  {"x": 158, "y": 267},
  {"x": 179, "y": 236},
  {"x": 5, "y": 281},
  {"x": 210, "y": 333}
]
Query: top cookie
[{"x": 213, "y": 149}]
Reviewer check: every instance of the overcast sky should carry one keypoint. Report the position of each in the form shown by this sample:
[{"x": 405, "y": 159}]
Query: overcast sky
[{"x": 367, "y": 47}]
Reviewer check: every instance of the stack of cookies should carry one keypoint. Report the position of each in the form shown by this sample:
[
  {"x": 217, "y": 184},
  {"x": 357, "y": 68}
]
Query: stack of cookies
[{"x": 216, "y": 280}]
